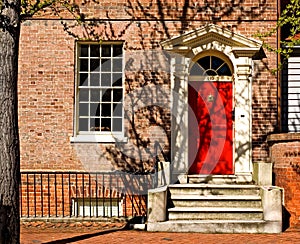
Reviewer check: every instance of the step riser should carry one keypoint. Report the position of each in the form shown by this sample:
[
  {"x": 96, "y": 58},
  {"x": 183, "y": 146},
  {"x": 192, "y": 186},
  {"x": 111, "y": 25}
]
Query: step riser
[
  {"x": 215, "y": 203},
  {"x": 218, "y": 227},
  {"x": 214, "y": 216},
  {"x": 208, "y": 192},
  {"x": 198, "y": 180}
]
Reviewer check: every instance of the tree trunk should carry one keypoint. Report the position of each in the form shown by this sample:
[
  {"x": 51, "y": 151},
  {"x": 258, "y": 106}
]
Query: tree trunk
[{"x": 9, "y": 137}]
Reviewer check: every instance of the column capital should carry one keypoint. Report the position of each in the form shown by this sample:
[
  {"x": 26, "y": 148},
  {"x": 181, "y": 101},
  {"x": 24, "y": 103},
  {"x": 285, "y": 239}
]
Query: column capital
[
  {"x": 244, "y": 70},
  {"x": 245, "y": 51}
]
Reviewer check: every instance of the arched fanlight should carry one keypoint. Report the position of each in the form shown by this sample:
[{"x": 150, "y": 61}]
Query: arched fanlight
[{"x": 210, "y": 66}]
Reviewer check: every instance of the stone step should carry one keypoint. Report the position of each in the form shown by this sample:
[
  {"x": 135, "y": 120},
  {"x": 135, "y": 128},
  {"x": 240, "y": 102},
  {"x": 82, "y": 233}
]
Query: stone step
[
  {"x": 216, "y": 226},
  {"x": 216, "y": 200},
  {"x": 216, "y": 179},
  {"x": 213, "y": 189},
  {"x": 219, "y": 213}
]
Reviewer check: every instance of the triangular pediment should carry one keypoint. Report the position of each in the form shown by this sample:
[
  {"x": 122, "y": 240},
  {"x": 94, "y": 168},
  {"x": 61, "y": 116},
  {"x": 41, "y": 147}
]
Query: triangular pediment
[{"x": 208, "y": 34}]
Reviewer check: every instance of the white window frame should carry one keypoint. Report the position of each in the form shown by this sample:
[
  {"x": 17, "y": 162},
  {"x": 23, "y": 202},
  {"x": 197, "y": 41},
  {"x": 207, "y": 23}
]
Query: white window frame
[{"x": 96, "y": 136}]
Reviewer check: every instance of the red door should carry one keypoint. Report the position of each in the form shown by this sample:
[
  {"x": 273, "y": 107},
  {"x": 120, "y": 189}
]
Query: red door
[{"x": 210, "y": 128}]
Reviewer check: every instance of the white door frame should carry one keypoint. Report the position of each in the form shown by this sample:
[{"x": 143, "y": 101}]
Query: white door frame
[{"x": 240, "y": 51}]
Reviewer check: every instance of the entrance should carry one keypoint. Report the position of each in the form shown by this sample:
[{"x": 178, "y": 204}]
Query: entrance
[
  {"x": 216, "y": 54},
  {"x": 210, "y": 127}
]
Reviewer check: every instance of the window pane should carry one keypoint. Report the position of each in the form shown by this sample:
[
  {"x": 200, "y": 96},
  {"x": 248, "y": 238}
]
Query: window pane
[
  {"x": 224, "y": 70},
  {"x": 118, "y": 82},
  {"x": 117, "y": 124},
  {"x": 105, "y": 125},
  {"x": 205, "y": 62},
  {"x": 106, "y": 65},
  {"x": 106, "y": 51},
  {"x": 216, "y": 62},
  {"x": 84, "y": 50},
  {"x": 83, "y": 79},
  {"x": 94, "y": 64},
  {"x": 84, "y": 65},
  {"x": 211, "y": 72},
  {"x": 117, "y": 95},
  {"x": 95, "y": 51},
  {"x": 197, "y": 70},
  {"x": 117, "y": 50},
  {"x": 117, "y": 65},
  {"x": 94, "y": 109},
  {"x": 84, "y": 95},
  {"x": 105, "y": 79},
  {"x": 117, "y": 79},
  {"x": 95, "y": 124},
  {"x": 83, "y": 109},
  {"x": 95, "y": 95},
  {"x": 106, "y": 95},
  {"x": 106, "y": 110},
  {"x": 83, "y": 124},
  {"x": 95, "y": 79},
  {"x": 118, "y": 109}
]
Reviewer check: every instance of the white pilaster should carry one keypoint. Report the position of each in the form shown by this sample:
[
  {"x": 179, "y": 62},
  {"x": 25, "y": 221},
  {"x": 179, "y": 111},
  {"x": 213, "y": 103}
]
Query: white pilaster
[
  {"x": 243, "y": 133},
  {"x": 179, "y": 135}
]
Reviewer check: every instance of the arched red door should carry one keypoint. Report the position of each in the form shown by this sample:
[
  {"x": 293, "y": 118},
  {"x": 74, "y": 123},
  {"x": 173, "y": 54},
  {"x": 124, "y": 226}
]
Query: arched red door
[{"x": 210, "y": 127}]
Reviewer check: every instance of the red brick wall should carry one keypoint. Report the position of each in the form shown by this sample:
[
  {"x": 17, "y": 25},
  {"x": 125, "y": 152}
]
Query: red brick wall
[
  {"x": 46, "y": 84},
  {"x": 46, "y": 90},
  {"x": 285, "y": 155}
]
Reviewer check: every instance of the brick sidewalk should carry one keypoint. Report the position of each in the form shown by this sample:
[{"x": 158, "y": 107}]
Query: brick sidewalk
[{"x": 117, "y": 235}]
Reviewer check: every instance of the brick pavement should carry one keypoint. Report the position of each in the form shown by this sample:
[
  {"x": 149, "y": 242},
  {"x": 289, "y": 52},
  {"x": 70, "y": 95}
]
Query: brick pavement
[{"x": 88, "y": 236}]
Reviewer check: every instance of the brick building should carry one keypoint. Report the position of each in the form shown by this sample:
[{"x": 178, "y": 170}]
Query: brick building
[{"x": 123, "y": 91}]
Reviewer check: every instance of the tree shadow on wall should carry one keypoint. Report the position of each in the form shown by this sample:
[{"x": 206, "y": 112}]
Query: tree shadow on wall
[
  {"x": 156, "y": 21},
  {"x": 152, "y": 22},
  {"x": 155, "y": 18}
]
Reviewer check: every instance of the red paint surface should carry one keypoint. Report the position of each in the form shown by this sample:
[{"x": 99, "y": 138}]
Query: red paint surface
[{"x": 210, "y": 128}]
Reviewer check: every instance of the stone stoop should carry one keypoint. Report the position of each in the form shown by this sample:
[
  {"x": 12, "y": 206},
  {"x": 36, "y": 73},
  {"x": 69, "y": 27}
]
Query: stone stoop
[{"x": 215, "y": 208}]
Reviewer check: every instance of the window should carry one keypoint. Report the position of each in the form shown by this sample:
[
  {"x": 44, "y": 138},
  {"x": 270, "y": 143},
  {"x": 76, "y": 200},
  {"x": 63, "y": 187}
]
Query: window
[
  {"x": 210, "y": 66},
  {"x": 290, "y": 91},
  {"x": 99, "y": 92},
  {"x": 97, "y": 207}
]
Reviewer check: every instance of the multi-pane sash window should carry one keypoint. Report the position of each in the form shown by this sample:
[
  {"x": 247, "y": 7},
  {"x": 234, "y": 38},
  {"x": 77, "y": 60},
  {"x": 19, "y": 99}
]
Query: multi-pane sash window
[
  {"x": 99, "y": 88},
  {"x": 290, "y": 103}
]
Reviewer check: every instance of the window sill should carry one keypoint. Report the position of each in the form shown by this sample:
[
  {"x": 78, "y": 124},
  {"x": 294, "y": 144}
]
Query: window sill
[{"x": 98, "y": 139}]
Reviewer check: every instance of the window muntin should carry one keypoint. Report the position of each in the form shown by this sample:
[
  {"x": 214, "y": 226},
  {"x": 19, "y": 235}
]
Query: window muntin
[{"x": 100, "y": 88}]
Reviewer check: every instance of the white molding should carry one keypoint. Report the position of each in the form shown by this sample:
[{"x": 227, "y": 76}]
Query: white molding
[
  {"x": 98, "y": 138},
  {"x": 208, "y": 34},
  {"x": 245, "y": 52},
  {"x": 239, "y": 50}
]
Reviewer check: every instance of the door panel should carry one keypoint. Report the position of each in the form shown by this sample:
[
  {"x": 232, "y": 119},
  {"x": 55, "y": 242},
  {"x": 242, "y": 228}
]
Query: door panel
[{"x": 210, "y": 128}]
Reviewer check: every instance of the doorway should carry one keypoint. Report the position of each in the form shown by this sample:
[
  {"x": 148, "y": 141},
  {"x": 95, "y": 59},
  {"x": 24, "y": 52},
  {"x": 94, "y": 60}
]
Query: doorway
[{"x": 211, "y": 118}]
